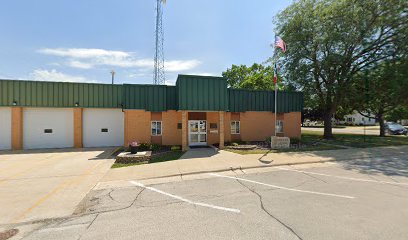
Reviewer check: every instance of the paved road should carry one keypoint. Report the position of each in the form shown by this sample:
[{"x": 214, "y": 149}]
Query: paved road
[
  {"x": 359, "y": 199},
  {"x": 370, "y": 130},
  {"x": 42, "y": 184}
]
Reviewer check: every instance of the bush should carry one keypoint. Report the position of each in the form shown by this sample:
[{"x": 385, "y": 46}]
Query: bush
[
  {"x": 175, "y": 148},
  {"x": 268, "y": 140},
  {"x": 294, "y": 140},
  {"x": 155, "y": 147},
  {"x": 144, "y": 147},
  {"x": 234, "y": 144}
]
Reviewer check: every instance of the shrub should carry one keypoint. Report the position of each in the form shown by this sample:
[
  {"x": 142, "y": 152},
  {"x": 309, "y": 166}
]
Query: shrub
[
  {"x": 234, "y": 144},
  {"x": 294, "y": 140},
  {"x": 144, "y": 147},
  {"x": 268, "y": 140},
  {"x": 175, "y": 148},
  {"x": 155, "y": 147}
]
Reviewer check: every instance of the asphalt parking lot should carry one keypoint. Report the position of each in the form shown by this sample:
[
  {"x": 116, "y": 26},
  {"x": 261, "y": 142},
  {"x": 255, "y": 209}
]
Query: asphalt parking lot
[{"x": 358, "y": 199}]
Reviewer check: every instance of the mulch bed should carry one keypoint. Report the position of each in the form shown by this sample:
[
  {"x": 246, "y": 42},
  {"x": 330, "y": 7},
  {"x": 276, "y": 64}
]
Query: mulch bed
[{"x": 261, "y": 145}]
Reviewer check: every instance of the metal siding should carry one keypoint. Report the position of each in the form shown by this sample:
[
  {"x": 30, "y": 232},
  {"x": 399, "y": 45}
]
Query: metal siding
[
  {"x": 202, "y": 93},
  {"x": 190, "y": 93},
  {"x": 58, "y": 94},
  {"x": 171, "y": 98},
  {"x": 148, "y": 97},
  {"x": 252, "y": 100}
]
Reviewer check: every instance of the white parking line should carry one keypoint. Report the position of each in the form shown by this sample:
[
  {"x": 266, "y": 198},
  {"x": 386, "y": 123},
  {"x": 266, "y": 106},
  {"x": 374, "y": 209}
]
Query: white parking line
[
  {"x": 341, "y": 177},
  {"x": 283, "y": 188},
  {"x": 186, "y": 200}
]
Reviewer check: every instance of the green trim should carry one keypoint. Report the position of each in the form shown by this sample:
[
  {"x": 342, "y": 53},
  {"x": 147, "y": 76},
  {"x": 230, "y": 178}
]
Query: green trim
[{"x": 191, "y": 93}]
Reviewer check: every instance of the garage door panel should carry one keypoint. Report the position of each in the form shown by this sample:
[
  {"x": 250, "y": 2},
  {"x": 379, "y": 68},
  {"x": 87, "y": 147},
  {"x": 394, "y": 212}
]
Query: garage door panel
[
  {"x": 103, "y": 127},
  {"x": 48, "y": 128},
  {"x": 5, "y": 128}
]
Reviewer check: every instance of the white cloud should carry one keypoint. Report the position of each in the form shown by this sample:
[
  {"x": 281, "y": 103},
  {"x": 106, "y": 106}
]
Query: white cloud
[
  {"x": 83, "y": 52},
  {"x": 177, "y": 65},
  {"x": 87, "y": 58},
  {"x": 54, "y": 75},
  {"x": 204, "y": 74},
  {"x": 78, "y": 64},
  {"x": 170, "y": 83}
]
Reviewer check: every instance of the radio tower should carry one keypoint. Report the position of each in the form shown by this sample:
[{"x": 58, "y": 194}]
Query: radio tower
[{"x": 158, "y": 77}]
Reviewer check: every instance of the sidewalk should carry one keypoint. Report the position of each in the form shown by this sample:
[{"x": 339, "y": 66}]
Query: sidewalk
[{"x": 197, "y": 161}]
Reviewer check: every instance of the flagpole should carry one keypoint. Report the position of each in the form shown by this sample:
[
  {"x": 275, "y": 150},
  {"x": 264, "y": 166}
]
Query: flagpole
[{"x": 275, "y": 82}]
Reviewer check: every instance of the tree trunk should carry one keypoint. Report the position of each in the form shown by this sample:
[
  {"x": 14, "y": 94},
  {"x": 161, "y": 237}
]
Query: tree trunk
[
  {"x": 382, "y": 125},
  {"x": 328, "y": 132}
]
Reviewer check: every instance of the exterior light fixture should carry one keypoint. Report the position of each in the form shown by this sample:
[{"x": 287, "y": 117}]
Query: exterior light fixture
[
  {"x": 14, "y": 103},
  {"x": 76, "y": 104}
]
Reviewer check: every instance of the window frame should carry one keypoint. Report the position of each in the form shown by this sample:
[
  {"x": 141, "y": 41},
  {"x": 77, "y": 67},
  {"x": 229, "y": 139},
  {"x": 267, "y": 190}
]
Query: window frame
[
  {"x": 239, "y": 127},
  {"x": 154, "y": 133}
]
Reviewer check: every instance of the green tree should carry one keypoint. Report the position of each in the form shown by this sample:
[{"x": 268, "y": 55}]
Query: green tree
[
  {"x": 257, "y": 76},
  {"x": 398, "y": 114},
  {"x": 382, "y": 91},
  {"x": 330, "y": 41}
]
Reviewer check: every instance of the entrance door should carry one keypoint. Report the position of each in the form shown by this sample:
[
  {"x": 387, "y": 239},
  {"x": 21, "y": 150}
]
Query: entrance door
[{"x": 197, "y": 132}]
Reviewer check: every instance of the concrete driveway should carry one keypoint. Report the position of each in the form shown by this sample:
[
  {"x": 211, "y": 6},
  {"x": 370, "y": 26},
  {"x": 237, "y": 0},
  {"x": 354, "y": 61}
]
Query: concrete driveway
[{"x": 48, "y": 184}]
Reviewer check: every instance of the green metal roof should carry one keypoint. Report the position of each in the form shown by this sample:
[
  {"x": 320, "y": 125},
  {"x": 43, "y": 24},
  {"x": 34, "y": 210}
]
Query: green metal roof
[
  {"x": 241, "y": 100},
  {"x": 154, "y": 98},
  {"x": 192, "y": 93},
  {"x": 59, "y": 94},
  {"x": 202, "y": 93}
]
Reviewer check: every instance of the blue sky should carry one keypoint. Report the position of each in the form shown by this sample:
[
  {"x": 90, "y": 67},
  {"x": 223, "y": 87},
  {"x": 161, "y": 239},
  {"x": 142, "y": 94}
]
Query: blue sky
[{"x": 83, "y": 40}]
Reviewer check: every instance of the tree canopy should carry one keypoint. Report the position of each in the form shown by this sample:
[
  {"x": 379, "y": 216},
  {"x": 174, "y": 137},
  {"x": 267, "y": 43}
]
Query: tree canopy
[
  {"x": 329, "y": 42},
  {"x": 257, "y": 77},
  {"x": 382, "y": 90}
]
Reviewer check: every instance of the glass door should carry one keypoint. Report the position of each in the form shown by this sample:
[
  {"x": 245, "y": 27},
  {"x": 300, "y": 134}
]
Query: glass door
[{"x": 197, "y": 132}]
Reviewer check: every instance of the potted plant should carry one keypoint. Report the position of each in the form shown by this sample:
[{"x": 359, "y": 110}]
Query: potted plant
[{"x": 134, "y": 146}]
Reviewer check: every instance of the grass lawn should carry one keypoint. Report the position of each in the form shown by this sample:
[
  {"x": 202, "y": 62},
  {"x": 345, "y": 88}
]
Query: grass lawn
[
  {"x": 317, "y": 147},
  {"x": 314, "y": 141},
  {"x": 174, "y": 155},
  {"x": 119, "y": 165},
  {"x": 356, "y": 140},
  {"x": 322, "y": 126}
]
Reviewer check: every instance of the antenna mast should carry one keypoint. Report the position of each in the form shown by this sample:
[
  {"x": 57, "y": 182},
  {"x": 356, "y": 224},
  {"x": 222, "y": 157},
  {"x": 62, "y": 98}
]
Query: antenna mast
[{"x": 159, "y": 77}]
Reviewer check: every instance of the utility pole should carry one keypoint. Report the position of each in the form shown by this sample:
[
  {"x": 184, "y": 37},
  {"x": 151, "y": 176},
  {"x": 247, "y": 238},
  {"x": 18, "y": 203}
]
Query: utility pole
[{"x": 113, "y": 76}]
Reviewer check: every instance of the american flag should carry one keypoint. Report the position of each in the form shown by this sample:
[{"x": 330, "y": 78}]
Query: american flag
[{"x": 280, "y": 43}]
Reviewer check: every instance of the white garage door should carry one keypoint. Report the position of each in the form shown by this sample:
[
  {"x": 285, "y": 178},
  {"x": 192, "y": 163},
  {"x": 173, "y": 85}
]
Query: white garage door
[
  {"x": 48, "y": 128},
  {"x": 5, "y": 128},
  {"x": 103, "y": 127}
]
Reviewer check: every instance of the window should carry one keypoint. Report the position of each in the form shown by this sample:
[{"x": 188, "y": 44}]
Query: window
[
  {"x": 47, "y": 130},
  {"x": 104, "y": 130},
  {"x": 156, "y": 128},
  {"x": 179, "y": 126},
  {"x": 235, "y": 128},
  {"x": 279, "y": 126},
  {"x": 213, "y": 125}
]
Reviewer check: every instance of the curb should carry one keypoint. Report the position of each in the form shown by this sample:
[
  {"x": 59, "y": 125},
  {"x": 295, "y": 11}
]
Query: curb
[{"x": 260, "y": 166}]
